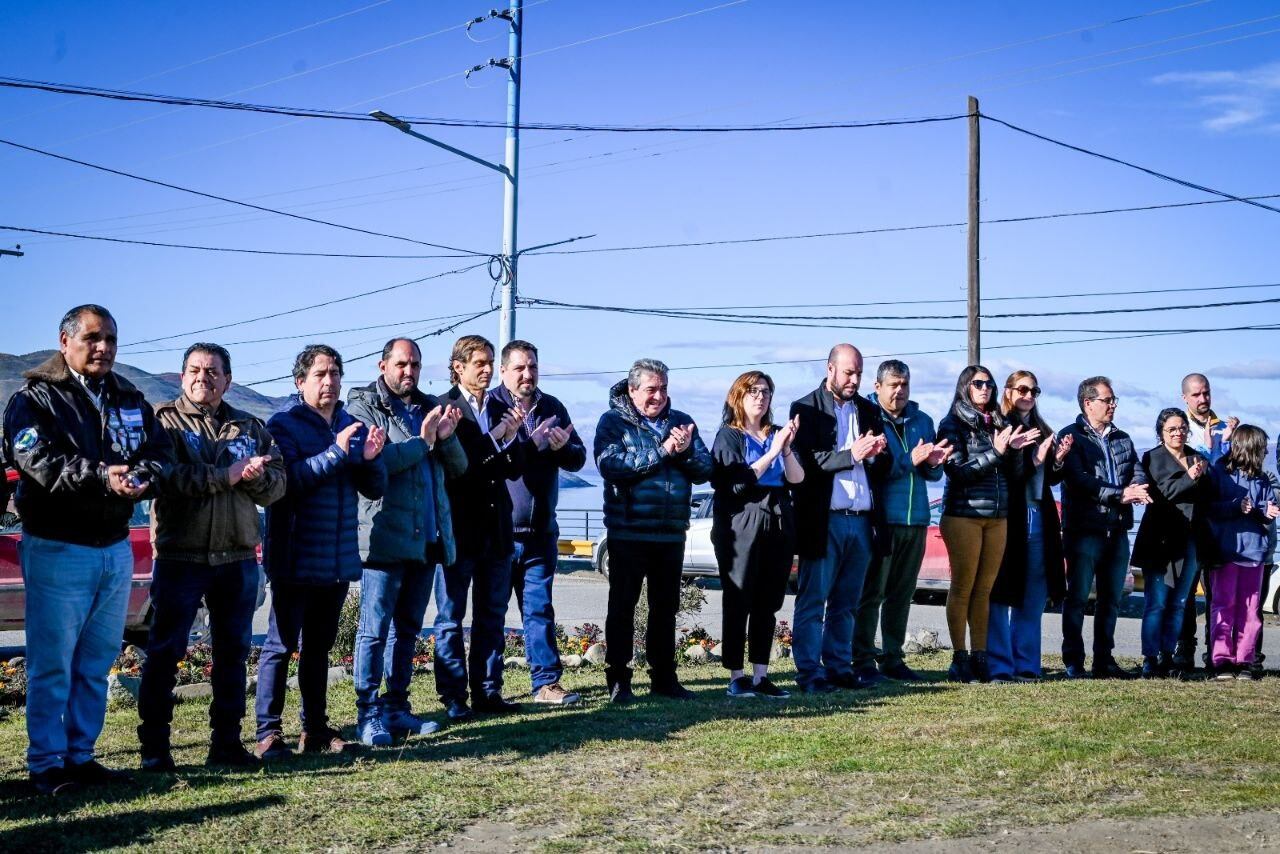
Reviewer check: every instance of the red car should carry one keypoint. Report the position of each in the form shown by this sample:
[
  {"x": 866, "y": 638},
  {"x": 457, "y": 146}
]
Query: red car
[{"x": 13, "y": 591}]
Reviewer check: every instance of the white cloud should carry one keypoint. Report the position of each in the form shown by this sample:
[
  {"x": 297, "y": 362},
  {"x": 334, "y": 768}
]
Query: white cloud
[
  {"x": 1232, "y": 100},
  {"x": 1258, "y": 369}
]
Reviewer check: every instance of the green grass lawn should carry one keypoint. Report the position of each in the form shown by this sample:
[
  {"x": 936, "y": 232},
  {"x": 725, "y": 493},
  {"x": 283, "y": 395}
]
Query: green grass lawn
[{"x": 892, "y": 763}]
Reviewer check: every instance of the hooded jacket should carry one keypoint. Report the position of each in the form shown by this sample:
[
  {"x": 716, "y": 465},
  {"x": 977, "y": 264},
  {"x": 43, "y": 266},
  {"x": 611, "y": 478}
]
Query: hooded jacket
[
  {"x": 1091, "y": 495},
  {"x": 198, "y": 516},
  {"x": 391, "y": 529},
  {"x": 61, "y": 443},
  {"x": 906, "y": 494},
  {"x": 313, "y": 532},
  {"x": 647, "y": 492},
  {"x": 1245, "y": 538}
]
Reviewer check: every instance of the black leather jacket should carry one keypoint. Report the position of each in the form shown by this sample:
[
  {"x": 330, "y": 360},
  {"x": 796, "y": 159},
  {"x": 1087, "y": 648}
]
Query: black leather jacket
[
  {"x": 977, "y": 477},
  {"x": 646, "y": 492},
  {"x": 61, "y": 444}
]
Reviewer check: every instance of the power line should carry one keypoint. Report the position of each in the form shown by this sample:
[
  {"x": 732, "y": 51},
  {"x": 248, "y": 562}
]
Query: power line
[
  {"x": 217, "y": 248},
  {"x": 249, "y": 205},
  {"x": 276, "y": 314},
  {"x": 622, "y": 371},
  {"x": 736, "y": 316},
  {"x": 1117, "y": 160},
  {"x": 442, "y": 330}
]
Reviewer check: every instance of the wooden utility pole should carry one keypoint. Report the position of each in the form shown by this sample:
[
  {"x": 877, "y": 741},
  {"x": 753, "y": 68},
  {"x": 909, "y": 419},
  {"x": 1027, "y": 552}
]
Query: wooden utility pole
[{"x": 975, "y": 297}]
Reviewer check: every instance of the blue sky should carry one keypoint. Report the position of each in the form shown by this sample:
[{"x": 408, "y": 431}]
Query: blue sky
[{"x": 1194, "y": 92}]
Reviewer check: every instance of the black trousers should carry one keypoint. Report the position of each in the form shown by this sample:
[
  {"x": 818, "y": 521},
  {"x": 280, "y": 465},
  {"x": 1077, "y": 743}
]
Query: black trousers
[
  {"x": 631, "y": 562},
  {"x": 754, "y": 553}
]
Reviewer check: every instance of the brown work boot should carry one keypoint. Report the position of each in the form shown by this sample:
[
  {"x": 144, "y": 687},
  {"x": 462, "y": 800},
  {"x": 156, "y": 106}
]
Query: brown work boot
[
  {"x": 326, "y": 740},
  {"x": 272, "y": 746},
  {"x": 556, "y": 695}
]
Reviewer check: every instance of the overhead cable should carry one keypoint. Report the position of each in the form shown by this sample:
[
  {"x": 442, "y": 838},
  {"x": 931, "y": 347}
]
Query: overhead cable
[
  {"x": 309, "y": 307},
  {"x": 218, "y": 198}
]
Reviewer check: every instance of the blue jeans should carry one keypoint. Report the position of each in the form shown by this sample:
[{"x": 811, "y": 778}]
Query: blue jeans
[
  {"x": 1164, "y": 606},
  {"x": 830, "y": 589},
  {"x": 76, "y": 601},
  {"x": 1103, "y": 555},
  {"x": 533, "y": 569},
  {"x": 304, "y": 619},
  {"x": 393, "y": 603},
  {"x": 1013, "y": 633},
  {"x": 231, "y": 592},
  {"x": 489, "y": 578}
]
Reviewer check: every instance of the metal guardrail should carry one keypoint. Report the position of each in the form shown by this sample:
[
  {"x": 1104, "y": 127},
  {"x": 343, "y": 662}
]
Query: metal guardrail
[{"x": 580, "y": 524}]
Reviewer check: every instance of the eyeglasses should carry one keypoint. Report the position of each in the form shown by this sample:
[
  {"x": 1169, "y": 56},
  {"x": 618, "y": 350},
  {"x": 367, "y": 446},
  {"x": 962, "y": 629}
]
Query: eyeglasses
[
  {"x": 1176, "y": 431},
  {"x": 982, "y": 384},
  {"x": 1034, "y": 391},
  {"x": 1106, "y": 401},
  {"x": 758, "y": 393}
]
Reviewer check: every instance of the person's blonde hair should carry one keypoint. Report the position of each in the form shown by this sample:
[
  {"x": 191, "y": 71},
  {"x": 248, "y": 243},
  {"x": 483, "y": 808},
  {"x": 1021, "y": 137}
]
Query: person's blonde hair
[
  {"x": 1006, "y": 405},
  {"x": 734, "y": 415}
]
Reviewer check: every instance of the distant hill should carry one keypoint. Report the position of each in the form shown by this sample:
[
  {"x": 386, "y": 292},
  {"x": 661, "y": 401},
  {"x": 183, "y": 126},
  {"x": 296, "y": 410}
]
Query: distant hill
[{"x": 157, "y": 388}]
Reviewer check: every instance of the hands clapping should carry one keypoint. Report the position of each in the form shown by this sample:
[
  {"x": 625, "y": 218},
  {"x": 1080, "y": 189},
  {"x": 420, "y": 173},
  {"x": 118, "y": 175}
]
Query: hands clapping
[
  {"x": 868, "y": 445},
  {"x": 678, "y": 440}
]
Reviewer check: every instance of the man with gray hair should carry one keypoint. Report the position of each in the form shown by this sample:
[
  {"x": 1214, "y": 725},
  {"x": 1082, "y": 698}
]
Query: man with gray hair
[
  {"x": 915, "y": 461},
  {"x": 649, "y": 455}
]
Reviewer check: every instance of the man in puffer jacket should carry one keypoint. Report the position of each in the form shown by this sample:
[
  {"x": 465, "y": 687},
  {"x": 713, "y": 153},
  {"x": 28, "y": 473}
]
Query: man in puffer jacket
[
  {"x": 1098, "y": 492},
  {"x": 312, "y": 549},
  {"x": 403, "y": 537},
  {"x": 649, "y": 455}
]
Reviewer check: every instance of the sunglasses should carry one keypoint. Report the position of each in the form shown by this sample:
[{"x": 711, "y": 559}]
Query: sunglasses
[
  {"x": 982, "y": 384},
  {"x": 1106, "y": 401},
  {"x": 1034, "y": 391}
]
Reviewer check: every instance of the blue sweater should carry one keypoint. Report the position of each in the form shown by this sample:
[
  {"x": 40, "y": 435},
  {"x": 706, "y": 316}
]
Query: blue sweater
[
  {"x": 1239, "y": 537},
  {"x": 313, "y": 532},
  {"x": 906, "y": 495}
]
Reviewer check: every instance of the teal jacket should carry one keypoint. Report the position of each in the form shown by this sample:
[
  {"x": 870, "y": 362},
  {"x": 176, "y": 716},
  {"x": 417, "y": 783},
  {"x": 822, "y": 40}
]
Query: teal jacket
[{"x": 905, "y": 496}]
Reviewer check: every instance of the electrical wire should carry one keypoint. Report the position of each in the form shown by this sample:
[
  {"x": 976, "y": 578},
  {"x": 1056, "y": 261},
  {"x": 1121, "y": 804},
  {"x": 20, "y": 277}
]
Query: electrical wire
[
  {"x": 309, "y": 307},
  {"x": 249, "y": 205},
  {"x": 441, "y": 331},
  {"x": 1129, "y": 164}
]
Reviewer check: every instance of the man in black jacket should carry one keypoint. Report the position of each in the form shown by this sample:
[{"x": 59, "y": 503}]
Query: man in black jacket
[
  {"x": 649, "y": 455},
  {"x": 841, "y": 444},
  {"x": 1097, "y": 497},
  {"x": 549, "y": 444},
  {"x": 481, "y": 508},
  {"x": 87, "y": 447}
]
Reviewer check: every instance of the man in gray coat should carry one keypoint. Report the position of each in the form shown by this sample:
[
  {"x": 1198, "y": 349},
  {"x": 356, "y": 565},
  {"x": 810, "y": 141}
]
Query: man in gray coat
[{"x": 402, "y": 537}]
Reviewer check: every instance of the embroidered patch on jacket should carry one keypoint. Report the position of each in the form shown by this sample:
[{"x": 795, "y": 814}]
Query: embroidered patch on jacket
[
  {"x": 242, "y": 447},
  {"x": 194, "y": 440},
  {"x": 26, "y": 439}
]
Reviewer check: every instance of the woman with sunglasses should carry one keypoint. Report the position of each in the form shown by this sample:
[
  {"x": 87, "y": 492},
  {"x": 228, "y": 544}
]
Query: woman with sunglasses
[
  {"x": 1033, "y": 569},
  {"x": 1167, "y": 546},
  {"x": 753, "y": 528},
  {"x": 975, "y": 506}
]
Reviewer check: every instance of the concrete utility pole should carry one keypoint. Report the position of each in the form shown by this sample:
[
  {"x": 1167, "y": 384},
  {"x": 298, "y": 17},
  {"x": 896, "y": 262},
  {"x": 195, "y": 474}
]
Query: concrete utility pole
[
  {"x": 975, "y": 295},
  {"x": 507, "y": 323},
  {"x": 510, "y": 168}
]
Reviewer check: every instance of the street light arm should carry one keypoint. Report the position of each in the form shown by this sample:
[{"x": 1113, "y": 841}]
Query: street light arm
[{"x": 405, "y": 127}]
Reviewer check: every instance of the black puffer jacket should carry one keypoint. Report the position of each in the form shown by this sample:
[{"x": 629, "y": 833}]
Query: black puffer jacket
[
  {"x": 61, "y": 443},
  {"x": 977, "y": 477},
  {"x": 1090, "y": 495},
  {"x": 646, "y": 492}
]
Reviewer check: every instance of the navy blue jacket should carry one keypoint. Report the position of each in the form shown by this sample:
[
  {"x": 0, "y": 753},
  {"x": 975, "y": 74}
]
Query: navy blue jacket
[
  {"x": 646, "y": 491},
  {"x": 535, "y": 494},
  {"x": 1239, "y": 537},
  {"x": 1090, "y": 497},
  {"x": 313, "y": 533}
]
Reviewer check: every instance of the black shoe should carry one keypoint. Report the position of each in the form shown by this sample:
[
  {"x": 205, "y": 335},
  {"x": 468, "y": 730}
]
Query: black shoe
[
  {"x": 53, "y": 781},
  {"x": 94, "y": 773},
  {"x": 1001, "y": 679},
  {"x": 849, "y": 682},
  {"x": 1150, "y": 668},
  {"x": 960, "y": 671},
  {"x": 1077, "y": 671},
  {"x": 672, "y": 690},
  {"x": 740, "y": 688},
  {"x": 458, "y": 710},
  {"x": 980, "y": 666},
  {"x": 1254, "y": 671},
  {"x": 232, "y": 754},
  {"x": 817, "y": 686},
  {"x": 620, "y": 694},
  {"x": 870, "y": 676},
  {"x": 1111, "y": 670},
  {"x": 158, "y": 763},
  {"x": 495, "y": 705},
  {"x": 901, "y": 673},
  {"x": 765, "y": 688},
  {"x": 1026, "y": 677}
]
